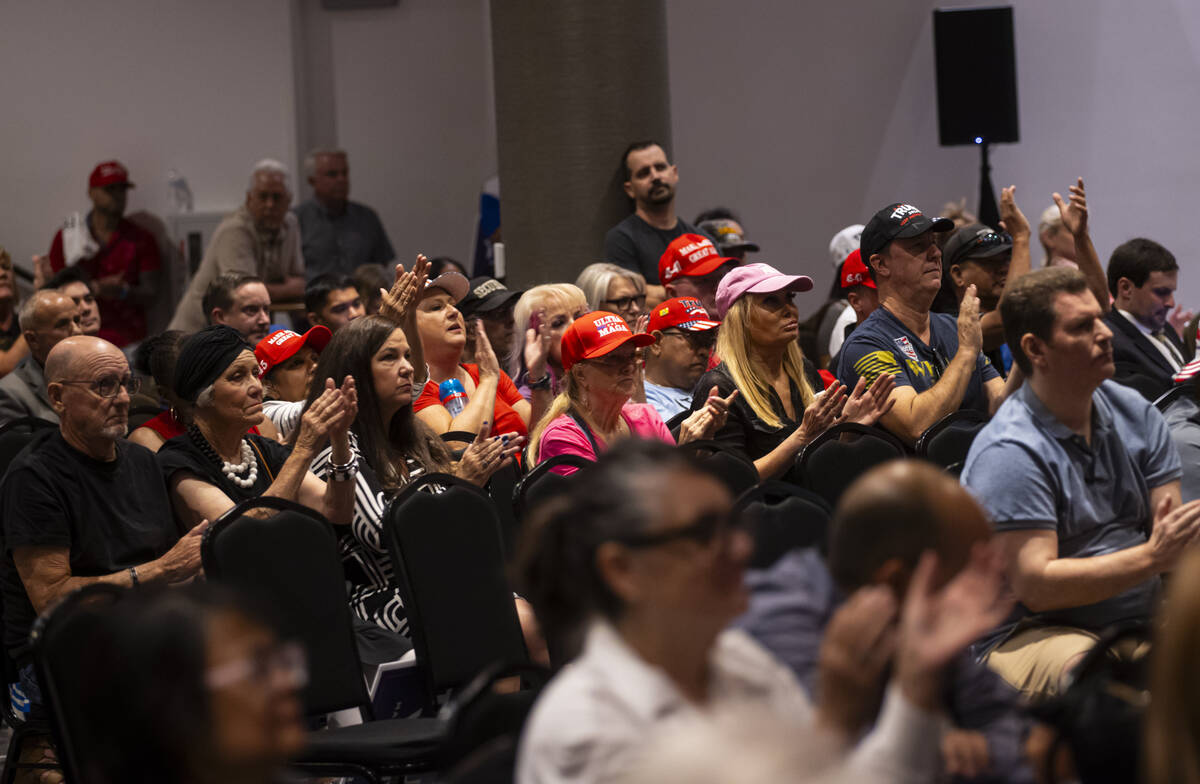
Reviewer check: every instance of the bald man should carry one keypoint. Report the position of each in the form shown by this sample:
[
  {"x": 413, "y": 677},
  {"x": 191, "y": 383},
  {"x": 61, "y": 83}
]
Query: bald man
[
  {"x": 886, "y": 520},
  {"x": 46, "y": 318},
  {"x": 82, "y": 505}
]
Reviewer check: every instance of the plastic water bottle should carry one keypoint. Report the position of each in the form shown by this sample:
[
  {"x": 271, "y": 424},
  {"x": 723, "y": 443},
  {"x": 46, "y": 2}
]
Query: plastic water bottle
[
  {"x": 453, "y": 396},
  {"x": 178, "y": 193}
]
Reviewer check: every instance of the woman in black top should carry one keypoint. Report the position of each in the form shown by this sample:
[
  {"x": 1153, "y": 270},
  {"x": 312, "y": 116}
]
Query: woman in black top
[
  {"x": 780, "y": 408},
  {"x": 216, "y": 463}
]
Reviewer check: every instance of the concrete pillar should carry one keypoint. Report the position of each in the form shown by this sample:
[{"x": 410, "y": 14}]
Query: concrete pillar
[{"x": 576, "y": 81}]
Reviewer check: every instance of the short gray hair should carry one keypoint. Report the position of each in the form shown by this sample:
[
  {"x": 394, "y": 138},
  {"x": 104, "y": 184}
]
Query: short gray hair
[
  {"x": 205, "y": 398},
  {"x": 310, "y": 160},
  {"x": 596, "y": 278},
  {"x": 272, "y": 166}
]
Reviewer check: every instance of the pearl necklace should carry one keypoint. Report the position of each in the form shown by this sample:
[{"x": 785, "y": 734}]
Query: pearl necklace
[{"x": 232, "y": 471}]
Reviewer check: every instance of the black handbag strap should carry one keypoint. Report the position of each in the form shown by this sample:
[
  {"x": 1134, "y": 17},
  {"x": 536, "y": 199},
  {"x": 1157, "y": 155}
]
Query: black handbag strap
[{"x": 587, "y": 431}]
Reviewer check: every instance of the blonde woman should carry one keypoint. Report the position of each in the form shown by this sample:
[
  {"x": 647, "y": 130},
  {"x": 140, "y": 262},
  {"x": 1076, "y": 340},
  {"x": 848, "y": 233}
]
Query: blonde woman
[
  {"x": 542, "y": 315},
  {"x": 781, "y": 407},
  {"x": 615, "y": 289},
  {"x": 595, "y": 408}
]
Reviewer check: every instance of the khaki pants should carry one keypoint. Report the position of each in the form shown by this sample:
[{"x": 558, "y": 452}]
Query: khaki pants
[{"x": 1037, "y": 661}]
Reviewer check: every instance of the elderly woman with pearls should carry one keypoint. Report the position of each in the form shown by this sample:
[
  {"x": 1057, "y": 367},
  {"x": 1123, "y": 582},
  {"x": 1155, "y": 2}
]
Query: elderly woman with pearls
[{"x": 215, "y": 464}]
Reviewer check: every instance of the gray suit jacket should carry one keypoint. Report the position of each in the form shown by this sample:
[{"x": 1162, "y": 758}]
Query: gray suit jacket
[{"x": 23, "y": 394}]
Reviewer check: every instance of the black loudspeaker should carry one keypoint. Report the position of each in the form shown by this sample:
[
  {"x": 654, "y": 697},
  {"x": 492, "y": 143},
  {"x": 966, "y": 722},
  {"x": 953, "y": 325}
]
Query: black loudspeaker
[{"x": 976, "y": 75}]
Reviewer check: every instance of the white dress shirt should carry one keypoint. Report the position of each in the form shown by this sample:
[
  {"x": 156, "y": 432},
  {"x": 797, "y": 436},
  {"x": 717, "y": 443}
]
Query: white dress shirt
[
  {"x": 593, "y": 720},
  {"x": 1169, "y": 352}
]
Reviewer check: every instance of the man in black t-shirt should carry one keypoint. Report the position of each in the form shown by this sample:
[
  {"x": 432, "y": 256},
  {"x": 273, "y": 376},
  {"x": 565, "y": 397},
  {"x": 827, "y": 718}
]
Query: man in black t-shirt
[
  {"x": 82, "y": 505},
  {"x": 638, "y": 242}
]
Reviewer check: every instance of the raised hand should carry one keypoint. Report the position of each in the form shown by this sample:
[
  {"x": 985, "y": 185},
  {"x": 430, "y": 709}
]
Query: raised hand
[
  {"x": 1180, "y": 318},
  {"x": 42, "y": 271},
  {"x": 484, "y": 356},
  {"x": 867, "y": 404},
  {"x": 538, "y": 342},
  {"x": 855, "y": 652},
  {"x": 970, "y": 331},
  {"x": 349, "y": 407},
  {"x": 706, "y": 421},
  {"x": 320, "y": 418},
  {"x": 399, "y": 304},
  {"x": 823, "y": 413},
  {"x": 1075, "y": 212},
  {"x": 937, "y": 625},
  {"x": 484, "y": 456},
  {"x": 1012, "y": 219}
]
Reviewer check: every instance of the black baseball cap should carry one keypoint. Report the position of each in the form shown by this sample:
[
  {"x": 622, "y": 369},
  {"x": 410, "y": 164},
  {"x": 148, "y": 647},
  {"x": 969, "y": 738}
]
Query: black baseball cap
[
  {"x": 486, "y": 294},
  {"x": 975, "y": 241},
  {"x": 897, "y": 221}
]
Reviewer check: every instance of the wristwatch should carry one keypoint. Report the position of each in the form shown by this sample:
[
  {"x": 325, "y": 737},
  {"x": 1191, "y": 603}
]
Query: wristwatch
[{"x": 541, "y": 383}]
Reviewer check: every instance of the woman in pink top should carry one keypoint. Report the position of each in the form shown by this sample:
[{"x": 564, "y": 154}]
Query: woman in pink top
[{"x": 594, "y": 408}]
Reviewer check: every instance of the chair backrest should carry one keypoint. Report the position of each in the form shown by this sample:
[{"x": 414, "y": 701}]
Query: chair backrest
[
  {"x": 829, "y": 464},
  {"x": 541, "y": 482},
  {"x": 16, "y": 434},
  {"x": 732, "y": 466},
  {"x": 290, "y": 562},
  {"x": 140, "y": 415},
  {"x": 61, "y": 640},
  {"x": 449, "y": 560},
  {"x": 500, "y": 489},
  {"x": 947, "y": 441},
  {"x": 782, "y": 517}
]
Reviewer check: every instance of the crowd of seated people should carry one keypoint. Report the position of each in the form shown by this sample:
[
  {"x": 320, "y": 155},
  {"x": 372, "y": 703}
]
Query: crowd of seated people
[{"x": 920, "y": 640}]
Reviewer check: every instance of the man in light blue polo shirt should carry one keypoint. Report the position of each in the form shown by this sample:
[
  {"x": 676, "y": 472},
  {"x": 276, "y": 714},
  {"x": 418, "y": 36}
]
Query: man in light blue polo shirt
[{"x": 1081, "y": 481}]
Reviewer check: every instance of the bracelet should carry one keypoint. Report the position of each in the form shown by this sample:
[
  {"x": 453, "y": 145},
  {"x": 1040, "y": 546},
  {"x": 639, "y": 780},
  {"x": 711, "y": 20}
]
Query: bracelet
[
  {"x": 541, "y": 383},
  {"x": 133, "y": 577},
  {"x": 344, "y": 472}
]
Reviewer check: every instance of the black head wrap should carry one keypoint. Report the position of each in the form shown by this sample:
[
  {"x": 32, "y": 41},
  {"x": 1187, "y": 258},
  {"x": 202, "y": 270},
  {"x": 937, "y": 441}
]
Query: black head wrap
[{"x": 204, "y": 356}]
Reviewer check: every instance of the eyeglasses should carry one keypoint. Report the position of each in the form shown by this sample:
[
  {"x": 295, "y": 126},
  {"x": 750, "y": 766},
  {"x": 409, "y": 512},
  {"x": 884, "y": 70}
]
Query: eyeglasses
[
  {"x": 699, "y": 341},
  {"x": 614, "y": 361},
  {"x": 623, "y": 303},
  {"x": 110, "y": 386},
  {"x": 287, "y": 660},
  {"x": 702, "y": 532}
]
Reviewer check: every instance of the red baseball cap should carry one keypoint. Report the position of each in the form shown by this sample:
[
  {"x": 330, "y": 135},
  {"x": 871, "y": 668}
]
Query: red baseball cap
[
  {"x": 692, "y": 255},
  {"x": 109, "y": 173},
  {"x": 686, "y": 313},
  {"x": 855, "y": 273},
  {"x": 280, "y": 345},
  {"x": 596, "y": 334}
]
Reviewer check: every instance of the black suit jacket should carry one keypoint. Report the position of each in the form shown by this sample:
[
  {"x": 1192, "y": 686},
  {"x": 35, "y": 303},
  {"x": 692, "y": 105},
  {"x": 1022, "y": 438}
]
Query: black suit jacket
[{"x": 1139, "y": 364}]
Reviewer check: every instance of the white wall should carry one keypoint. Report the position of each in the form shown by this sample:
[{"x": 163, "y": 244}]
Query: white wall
[
  {"x": 803, "y": 116},
  {"x": 202, "y": 87},
  {"x": 412, "y": 95},
  {"x": 819, "y": 114}
]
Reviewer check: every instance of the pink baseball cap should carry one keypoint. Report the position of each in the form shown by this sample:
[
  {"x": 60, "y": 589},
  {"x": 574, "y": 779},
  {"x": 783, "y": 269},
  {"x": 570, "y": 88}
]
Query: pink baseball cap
[{"x": 756, "y": 279}]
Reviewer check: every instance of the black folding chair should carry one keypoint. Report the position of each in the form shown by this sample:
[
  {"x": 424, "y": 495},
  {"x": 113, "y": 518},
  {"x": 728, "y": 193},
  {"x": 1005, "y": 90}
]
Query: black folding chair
[
  {"x": 500, "y": 488},
  {"x": 448, "y": 555},
  {"x": 731, "y": 465},
  {"x": 541, "y": 483},
  {"x": 290, "y": 561},
  {"x": 458, "y": 437},
  {"x": 830, "y": 463},
  {"x": 947, "y": 441},
  {"x": 781, "y": 517},
  {"x": 60, "y": 645}
]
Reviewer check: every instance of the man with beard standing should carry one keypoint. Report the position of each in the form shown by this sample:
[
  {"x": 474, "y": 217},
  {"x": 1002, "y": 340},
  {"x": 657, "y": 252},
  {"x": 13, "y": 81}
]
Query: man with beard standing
[{"x": 638, "y": 242}]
